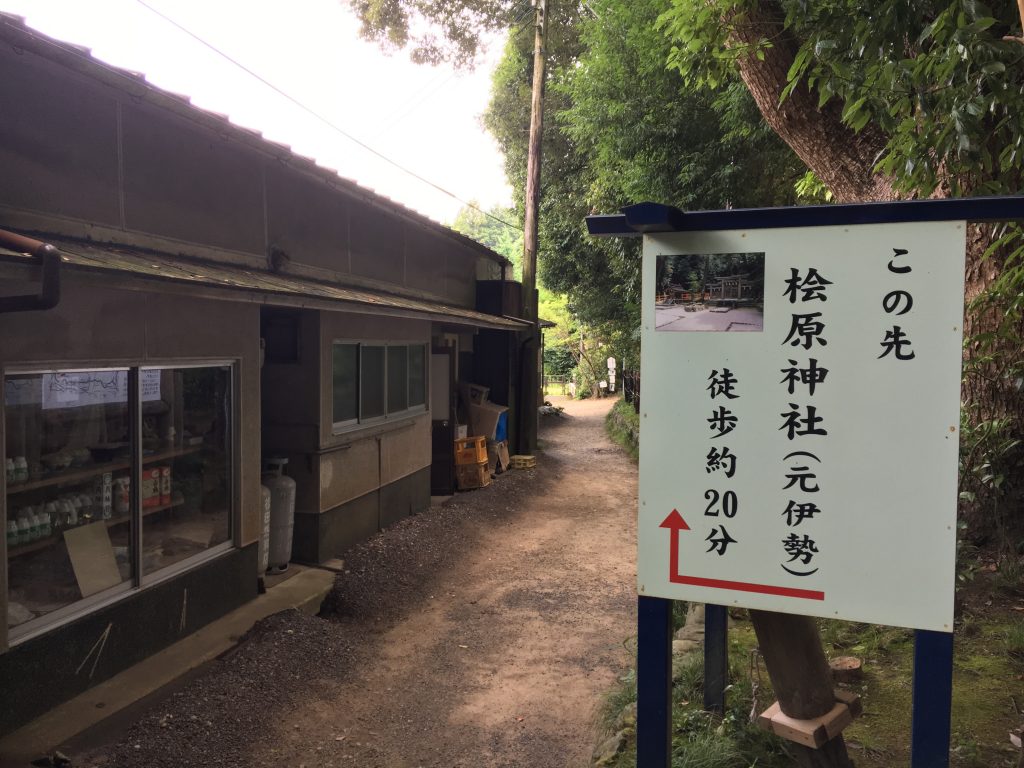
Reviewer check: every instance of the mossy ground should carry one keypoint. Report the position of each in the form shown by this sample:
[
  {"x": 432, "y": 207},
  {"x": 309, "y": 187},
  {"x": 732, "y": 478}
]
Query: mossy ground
[{"x": 988, "y": 692}]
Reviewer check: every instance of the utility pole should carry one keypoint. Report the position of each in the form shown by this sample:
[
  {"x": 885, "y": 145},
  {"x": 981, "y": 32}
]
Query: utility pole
[{"x": 530, "y": 349}]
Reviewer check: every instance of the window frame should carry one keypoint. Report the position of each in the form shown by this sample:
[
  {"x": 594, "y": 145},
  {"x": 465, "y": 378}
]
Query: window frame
[
  {"x": 351, "y": 425},
  {"x": 139, "y": 581}
]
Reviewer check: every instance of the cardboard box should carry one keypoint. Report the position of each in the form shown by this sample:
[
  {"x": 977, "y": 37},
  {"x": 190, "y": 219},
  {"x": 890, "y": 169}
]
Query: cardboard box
[
  {"x": 483, "y": 418},
  {"x": 497, "y": 456},
  {"x": 150, "y": 488},
  {"x": 473, "y": 394}
]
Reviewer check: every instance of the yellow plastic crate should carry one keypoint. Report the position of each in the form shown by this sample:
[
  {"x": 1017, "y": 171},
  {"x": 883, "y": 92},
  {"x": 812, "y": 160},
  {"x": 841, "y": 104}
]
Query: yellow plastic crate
[
  {"x": 476, "y": 475},
  {"x": 470, "y": 450},
  {"x": 522, "y": 461}
]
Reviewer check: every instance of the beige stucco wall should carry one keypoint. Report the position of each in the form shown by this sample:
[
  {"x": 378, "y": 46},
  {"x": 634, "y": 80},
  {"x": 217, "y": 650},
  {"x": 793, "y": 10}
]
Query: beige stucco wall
[{"x": 374, "y": 456}]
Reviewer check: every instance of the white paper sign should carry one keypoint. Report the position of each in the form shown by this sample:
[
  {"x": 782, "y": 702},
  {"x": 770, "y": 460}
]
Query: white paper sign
[
  {"x": 23, "y": 391},
  {"x": 801, "y": 420},
  {"x": 73, "y": 389}
]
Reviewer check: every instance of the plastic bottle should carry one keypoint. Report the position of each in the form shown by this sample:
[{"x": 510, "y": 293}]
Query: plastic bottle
[
  {"x": 55, "y": 513},
  {"x": 45, "y": 527},
  {"x": 122, "y": 493},
  {"x": 30, "y": 515},
  {"x": 24, "y": 530},
  {"x": 20, "y": 469},
  {"x": 13, "y": 537},
  {"x": 11, "y": 472},
  {"x": 71, "y": 512}
]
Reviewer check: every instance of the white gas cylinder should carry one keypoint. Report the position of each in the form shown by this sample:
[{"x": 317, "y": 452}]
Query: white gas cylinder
[
  {"x": 282, "y": 513},
  {"x": 264, "y": 545}
]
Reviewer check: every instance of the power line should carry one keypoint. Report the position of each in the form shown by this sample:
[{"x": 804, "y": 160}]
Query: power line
[
  {"x": 318, "y": 116},
  {"x": 412, "y": 104}
]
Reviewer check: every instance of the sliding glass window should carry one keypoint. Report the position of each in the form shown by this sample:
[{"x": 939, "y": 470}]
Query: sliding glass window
[
  {"x": 77, "y": 533},
  {"x": 377, "y": 381}
]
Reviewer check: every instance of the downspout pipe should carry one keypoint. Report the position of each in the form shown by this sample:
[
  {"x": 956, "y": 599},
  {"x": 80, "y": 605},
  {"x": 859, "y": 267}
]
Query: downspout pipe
[{"x": 49, "y": 291}]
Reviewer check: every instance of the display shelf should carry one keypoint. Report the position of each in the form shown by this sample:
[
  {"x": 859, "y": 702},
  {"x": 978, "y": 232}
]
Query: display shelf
[
  {"x": 85, "y": 473},
  {"x": 146, "y": 512},
  {"x": 33, "y": 546}
]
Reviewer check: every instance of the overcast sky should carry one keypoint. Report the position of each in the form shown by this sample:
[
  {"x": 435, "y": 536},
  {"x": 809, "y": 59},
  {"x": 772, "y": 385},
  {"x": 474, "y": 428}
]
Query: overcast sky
[{"x": 426, "y": 119}]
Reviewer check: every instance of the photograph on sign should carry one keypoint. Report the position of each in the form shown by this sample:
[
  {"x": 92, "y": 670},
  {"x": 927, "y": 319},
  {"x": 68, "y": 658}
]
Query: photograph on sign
[
  {"x": 809, "y": 468},
  {"x": 709, "y": 292}
]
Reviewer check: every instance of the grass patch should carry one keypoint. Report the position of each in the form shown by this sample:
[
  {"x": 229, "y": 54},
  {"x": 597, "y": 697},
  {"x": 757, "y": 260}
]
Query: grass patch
[
  {"x": 1015, "y": 640},
  {"x": 702, "y": 740},
  {"x": 988, "y": 657},
  {"x": 623, "y": 427}
]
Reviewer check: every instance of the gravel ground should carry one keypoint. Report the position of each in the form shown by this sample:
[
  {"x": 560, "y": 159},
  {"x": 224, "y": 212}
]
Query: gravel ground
[{"x": 484, "y": 632}]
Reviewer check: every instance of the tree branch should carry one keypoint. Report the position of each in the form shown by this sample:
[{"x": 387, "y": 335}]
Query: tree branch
[{"x": 842, "y": 159}]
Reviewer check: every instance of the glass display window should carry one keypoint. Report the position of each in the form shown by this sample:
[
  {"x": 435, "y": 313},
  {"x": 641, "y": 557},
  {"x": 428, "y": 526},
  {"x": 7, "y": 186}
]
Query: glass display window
[
  {"x": 186, "y": 494},
  {"x": 112, "y": 476}
]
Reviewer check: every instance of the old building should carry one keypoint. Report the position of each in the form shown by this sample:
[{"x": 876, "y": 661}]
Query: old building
[{"x": 190, "y": 300}]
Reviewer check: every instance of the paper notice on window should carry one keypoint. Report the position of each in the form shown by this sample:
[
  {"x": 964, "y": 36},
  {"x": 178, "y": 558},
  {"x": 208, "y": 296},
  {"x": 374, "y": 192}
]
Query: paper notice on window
[
  {"x": 72, "y": 389},
  {"x": 23, "y": 391}
]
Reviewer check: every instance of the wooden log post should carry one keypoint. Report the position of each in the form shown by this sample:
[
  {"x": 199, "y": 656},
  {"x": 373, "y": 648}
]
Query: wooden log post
[{"x": 800, "y": 675}]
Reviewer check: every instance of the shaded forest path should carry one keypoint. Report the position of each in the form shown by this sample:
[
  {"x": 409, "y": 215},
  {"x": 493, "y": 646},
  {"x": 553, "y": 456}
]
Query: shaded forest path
[{"x": 485, "y": 632}]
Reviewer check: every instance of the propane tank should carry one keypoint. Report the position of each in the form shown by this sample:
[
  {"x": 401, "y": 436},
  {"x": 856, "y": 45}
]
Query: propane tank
[
  {"x": 282, "y": 513},
  {"x": 264, "y": 545}
]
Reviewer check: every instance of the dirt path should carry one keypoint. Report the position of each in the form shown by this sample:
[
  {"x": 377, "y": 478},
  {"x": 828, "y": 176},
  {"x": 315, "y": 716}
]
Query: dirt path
[{"x": 483, "y": 633}]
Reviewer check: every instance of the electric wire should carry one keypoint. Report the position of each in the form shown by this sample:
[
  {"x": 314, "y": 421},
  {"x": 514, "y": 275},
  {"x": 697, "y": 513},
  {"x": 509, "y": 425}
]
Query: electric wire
[
  {"x": 410, "y": 105},
  {"x": 310, "y": 111}
]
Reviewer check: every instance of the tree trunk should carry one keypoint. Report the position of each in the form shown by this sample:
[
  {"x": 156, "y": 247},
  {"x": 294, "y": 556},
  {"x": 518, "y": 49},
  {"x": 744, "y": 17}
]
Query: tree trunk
[
  {"x": 801, "y": 679},
  {"x": 842, "y": 159}
]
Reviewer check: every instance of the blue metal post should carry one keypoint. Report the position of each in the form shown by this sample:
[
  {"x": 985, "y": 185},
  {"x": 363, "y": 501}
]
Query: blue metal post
[
  {"x": 653, "y": 682},
  {"x": 933, "y": 699},
  {"x": 716, "y": 657}
]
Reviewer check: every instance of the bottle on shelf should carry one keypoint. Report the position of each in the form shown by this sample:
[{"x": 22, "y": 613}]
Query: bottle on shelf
[
  {"x": 55, "y": 513},
  {"x": 122, "y": 493},
  {"x": 76, "y": 506},
  {"x": 20, "y": 469},
  {"x": 24, "y": 529}
]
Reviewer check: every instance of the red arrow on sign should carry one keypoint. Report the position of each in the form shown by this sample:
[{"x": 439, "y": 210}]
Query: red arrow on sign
[{"x": 675, "y": 523}]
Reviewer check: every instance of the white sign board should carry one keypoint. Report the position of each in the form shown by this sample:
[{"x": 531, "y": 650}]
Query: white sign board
[{"x": 798, "y": 448}]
